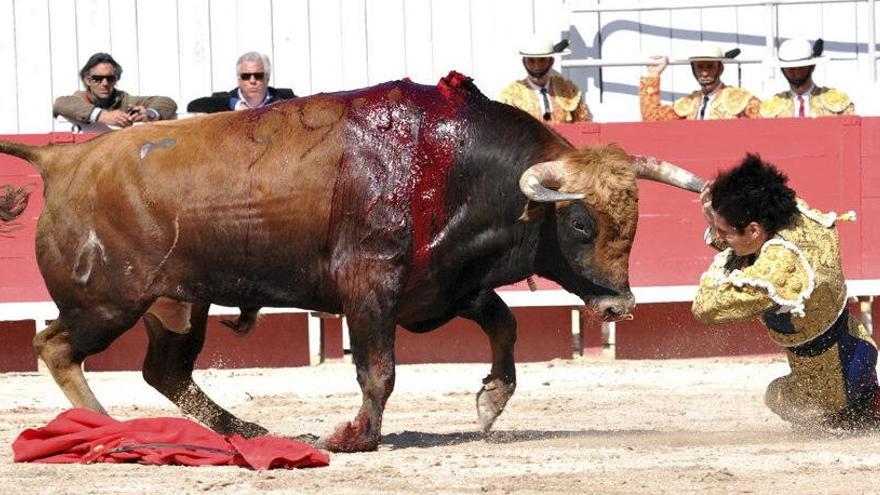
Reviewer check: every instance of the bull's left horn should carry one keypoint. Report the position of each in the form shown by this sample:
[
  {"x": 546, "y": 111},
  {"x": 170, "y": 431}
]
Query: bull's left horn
[
  {"x": 648, "y": 167},
  {"x": 536, "y": 183}
]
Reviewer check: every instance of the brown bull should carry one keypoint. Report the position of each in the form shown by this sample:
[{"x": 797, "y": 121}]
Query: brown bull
[{"x": 399, "y": 203}]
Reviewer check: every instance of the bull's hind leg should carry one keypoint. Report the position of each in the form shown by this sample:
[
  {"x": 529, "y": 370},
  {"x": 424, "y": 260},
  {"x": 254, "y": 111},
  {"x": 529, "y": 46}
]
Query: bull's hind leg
[
  {"x": 168, "y": 367},
  {"x": 497, "y": 321},
  {"x": 63, "y": 357}
]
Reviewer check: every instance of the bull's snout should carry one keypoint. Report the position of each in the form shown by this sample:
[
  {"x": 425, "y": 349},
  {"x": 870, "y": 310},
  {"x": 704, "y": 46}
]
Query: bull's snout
[{"x": 615, "y": 308}]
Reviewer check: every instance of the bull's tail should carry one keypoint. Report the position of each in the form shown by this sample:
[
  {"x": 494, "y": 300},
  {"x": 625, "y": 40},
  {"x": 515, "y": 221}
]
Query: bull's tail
[
  {"x": 14, "y": 200},
  {"x": 33, "y": 154}
]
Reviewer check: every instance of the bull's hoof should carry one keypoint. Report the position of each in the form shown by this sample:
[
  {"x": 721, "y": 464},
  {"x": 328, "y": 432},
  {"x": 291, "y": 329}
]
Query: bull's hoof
[
  {"x": 491, "y": 400},
  {"x": 351, "y": 436}
]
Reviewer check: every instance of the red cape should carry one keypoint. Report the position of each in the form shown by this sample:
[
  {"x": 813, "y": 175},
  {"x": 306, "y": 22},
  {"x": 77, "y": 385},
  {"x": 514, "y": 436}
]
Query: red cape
[{"x": 84, "y": 436}]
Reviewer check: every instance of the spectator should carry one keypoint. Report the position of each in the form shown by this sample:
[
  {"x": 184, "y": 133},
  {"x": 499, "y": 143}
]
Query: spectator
[
  {"x": 253, "y": 71},
  {"x": 545, "y": 93},
  {"x": 781, "y": 262},
  {"x": 797, "y": 60},
  {"x": 103, "y": 103},
  {"x": 714, "y": 99}
]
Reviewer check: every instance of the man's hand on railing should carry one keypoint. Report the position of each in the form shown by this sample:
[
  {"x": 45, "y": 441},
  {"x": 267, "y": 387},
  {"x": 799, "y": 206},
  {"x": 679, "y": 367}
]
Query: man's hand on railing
[
  {"x": 117, "y": 118},
  {"x": 654, "y": 70}
]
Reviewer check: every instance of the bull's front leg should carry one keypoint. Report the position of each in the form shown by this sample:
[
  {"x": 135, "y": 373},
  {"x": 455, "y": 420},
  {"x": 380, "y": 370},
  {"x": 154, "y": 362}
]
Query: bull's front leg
[
  {"x": 490, "y": 312},
  {"x": 371, "y": 324}
]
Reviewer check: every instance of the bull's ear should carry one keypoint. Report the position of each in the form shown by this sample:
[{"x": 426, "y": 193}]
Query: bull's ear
[{"x": 533, "y": 212}]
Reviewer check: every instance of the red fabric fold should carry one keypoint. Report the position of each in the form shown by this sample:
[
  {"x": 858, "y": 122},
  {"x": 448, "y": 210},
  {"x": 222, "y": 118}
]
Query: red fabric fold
[{"x": 84, "y": 436}]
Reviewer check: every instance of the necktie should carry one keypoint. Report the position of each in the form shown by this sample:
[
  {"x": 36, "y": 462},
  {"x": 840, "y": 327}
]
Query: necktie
[
  {"x": 703, "y": 106},
  {"x": 546, "y": 104},
  {"x": 801, "y": 106}
]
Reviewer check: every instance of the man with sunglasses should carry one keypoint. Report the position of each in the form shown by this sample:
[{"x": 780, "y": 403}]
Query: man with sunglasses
[
  {"x": 253, "y": 70},
  {"x": 102, "y": 103}
]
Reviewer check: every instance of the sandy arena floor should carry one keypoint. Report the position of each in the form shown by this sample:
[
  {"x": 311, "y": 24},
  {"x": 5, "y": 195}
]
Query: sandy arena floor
[{"x": 590, "y": 425}]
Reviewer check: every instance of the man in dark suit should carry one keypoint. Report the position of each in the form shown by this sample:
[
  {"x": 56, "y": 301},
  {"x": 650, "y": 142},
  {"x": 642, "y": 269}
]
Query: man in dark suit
[{"x": 253, "y": 70}]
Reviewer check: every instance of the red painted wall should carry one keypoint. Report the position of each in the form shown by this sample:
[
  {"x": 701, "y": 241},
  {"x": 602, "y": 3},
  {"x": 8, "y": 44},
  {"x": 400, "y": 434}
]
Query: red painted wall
[
  {"x": 17, "y": 352},
  {"x": 278, "y": 340},
  {"x": 834, "y": 163}
]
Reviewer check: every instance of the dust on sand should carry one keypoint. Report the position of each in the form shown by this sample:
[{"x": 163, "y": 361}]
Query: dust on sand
[{"x": 590, "y": 425}]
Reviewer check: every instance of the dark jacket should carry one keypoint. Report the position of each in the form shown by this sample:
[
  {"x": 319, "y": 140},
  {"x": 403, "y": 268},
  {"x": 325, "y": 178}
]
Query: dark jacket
[{"x": 223, "y": 101}]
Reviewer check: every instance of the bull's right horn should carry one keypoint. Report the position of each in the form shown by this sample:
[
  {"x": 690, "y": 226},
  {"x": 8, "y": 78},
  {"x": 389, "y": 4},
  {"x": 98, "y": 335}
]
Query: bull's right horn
[
  {"x": 648, "y": 167},
  {"x": 541, "y": 181}
]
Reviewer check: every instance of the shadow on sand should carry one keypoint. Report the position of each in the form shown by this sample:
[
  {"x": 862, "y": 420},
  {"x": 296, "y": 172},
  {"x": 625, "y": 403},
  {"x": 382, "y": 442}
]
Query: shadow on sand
[{"x": 614, "y": 438}]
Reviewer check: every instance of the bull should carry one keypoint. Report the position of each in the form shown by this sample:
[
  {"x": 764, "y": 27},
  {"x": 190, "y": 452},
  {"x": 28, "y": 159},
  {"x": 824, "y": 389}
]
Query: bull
[{"x": 396, "y": 204}]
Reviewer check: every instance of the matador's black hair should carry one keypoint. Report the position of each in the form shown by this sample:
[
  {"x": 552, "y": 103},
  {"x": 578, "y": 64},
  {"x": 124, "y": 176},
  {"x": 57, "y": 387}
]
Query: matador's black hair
[{"x": 754, "y": 191}]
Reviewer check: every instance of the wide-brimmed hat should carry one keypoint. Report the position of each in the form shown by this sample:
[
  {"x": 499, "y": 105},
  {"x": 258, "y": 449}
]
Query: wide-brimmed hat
[
  {"x": 712, "y": 52},
  {"x": 542, "y": 47},
  {"x": 799, "y": 53}
]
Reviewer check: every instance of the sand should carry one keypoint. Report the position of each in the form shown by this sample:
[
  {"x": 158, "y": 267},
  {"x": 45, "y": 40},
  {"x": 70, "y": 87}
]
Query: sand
[{"x": 589, "y": 425}]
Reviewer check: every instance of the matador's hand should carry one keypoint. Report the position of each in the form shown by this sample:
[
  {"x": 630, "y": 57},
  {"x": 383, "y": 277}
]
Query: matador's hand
[{"x": 706, "y": 201}]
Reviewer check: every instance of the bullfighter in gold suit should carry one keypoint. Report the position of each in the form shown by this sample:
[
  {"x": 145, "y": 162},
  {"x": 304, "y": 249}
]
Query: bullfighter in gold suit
[
  {"x": 714, "y": 99},
  {"x": 797, "y": 60},
  {"x": 544, "y": 88},
  {"x": 781, "y": 262}
]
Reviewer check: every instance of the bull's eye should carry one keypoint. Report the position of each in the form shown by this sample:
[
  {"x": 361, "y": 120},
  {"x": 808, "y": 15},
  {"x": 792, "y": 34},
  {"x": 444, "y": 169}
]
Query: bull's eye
[{"x": 582, "y": 231}]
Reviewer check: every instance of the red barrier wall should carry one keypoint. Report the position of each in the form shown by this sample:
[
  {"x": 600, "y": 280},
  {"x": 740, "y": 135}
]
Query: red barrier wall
[
  {"x": 542, "y": 334},
  {"x": 278, "y": 340},
  {"x": 17, "y": 352},
  {"x": 834, "y": 163}
]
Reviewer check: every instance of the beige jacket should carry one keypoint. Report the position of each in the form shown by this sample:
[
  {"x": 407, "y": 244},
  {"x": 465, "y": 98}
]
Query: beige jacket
[{"x": 79, "y": 106}]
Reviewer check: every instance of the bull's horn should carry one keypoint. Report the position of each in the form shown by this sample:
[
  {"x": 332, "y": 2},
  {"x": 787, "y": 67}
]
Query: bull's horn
[
  {"x": 539, "y": 182},
  {"x": 648, "y": 167}
]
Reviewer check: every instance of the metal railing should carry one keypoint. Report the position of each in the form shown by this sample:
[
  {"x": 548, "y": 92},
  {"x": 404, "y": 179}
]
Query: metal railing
[{"x": 771, "y": 32}]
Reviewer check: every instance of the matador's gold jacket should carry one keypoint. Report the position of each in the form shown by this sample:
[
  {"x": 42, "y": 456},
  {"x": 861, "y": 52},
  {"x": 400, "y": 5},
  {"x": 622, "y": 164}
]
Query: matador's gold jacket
[
  {"x": 796, "y": 285},
  {"x": 730, "y": 103},
  {"x": 567, "y": 100},
  {"x": 823, "y": 102}
]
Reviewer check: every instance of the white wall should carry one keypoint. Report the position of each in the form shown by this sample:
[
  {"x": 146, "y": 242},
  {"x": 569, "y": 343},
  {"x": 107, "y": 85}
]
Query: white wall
[
  {"x": 187, "y": 48},
  {"x": 612, "y": 91}
]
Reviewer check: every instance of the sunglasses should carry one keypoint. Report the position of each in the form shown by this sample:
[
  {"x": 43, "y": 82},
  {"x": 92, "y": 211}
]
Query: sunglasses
[
  {"x": 246, "y": 76},
  {"x": 98, "y": 79}
]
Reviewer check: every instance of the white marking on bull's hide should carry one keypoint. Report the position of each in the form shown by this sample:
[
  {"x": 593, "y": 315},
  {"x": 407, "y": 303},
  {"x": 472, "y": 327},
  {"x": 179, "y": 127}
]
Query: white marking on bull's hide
[
  {"x": 148, "y": 147},
  {"x": 85, "y": 258}
]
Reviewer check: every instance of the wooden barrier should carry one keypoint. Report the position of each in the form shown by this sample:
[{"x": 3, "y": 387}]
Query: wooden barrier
[
  {"x": 832, "y": 162},
  {"x": 279, "y": 340}
]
